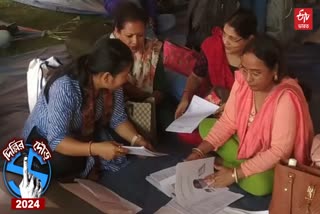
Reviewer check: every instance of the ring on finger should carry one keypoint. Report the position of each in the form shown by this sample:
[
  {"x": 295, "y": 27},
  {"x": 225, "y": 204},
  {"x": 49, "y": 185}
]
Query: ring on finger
[{"x": 119, "y": 149}]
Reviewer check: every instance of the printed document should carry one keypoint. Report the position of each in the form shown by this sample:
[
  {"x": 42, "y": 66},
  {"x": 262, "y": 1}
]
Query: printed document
[
  {"x": 189, "y": 173},
  {"x": 198, "y": 110},
  {"x": 191, "y": 195}
]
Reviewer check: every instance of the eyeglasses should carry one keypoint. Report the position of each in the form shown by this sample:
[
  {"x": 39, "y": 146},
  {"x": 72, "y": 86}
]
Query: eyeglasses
[{"x": 231, "y": 38}]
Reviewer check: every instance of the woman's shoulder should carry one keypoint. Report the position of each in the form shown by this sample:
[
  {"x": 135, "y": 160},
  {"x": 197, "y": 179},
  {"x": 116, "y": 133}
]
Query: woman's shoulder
[
  {"x": 291, "y": 87},
  {"x": 65, "y": 85}
]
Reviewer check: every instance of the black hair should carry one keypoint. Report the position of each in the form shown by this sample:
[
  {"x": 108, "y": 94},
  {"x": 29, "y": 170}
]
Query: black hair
[
  {"x": 109, "y": 55},
  {"x": 270, "y": 51},
  {"x": 244, "y": 23},
  {"x": 129, "y": 12}
]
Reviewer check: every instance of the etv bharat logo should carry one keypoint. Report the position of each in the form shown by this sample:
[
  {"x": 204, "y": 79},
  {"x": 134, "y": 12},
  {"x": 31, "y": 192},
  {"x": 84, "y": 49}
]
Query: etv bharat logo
[
  {"x": 31, "y": 162},
  {"x": 303, "y": 19}
]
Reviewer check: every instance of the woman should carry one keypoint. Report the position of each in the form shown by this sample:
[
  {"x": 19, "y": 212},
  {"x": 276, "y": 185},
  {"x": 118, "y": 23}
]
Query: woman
[
  {"x": 219, "y": 58},
  {"x": 203, "y": 15},
  {"x": 157, "y": 23},
  {"x": 148, "y": 77},
  {"x": 79, "y": 101},
  {"x": 270, "y": 115}
]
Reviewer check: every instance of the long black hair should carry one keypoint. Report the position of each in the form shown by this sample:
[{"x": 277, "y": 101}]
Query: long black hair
[{"x": 108, "y": 55}]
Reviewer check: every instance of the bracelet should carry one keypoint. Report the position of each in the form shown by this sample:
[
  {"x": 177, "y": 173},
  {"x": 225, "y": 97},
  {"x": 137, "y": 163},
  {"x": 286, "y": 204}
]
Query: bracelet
[
  {"x": 135, "y": 139},
  {"x": 198, "y": 151},
  {"x": 90, "y": 154},
  {"x": 235, "y": 175}
]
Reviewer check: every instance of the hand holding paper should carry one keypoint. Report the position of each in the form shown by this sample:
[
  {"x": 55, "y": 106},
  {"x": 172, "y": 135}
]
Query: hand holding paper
[{"x": 198, "y": 110}]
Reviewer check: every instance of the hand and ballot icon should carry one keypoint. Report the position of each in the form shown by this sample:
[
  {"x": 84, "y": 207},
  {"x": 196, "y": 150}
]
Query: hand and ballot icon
[{"x": 30, "y": 186}]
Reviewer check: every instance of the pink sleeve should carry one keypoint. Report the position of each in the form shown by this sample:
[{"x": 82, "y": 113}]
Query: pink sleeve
[
  {"x": 282, "y": 140},
  {"x": 225, "y": 127}
]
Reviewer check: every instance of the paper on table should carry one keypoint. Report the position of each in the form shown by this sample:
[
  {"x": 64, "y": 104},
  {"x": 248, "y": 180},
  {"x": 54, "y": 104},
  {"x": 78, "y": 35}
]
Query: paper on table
[
  {"x": 187, "y": 192},
  {"x": 142, "y": 151},
  {"x": 164, "y": 180},
  {"x": 101, "y": 197},
  {"x": 212, "y": 205},
  {"x": 229, "y": 210},
  {"x": 198, "y": 110}
]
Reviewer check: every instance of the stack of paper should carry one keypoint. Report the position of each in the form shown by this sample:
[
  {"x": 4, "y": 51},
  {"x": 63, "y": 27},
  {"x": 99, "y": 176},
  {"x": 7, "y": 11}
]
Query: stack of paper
[
  {"x": 180, "y": 183},
  {"x": 164, "y": 180}
]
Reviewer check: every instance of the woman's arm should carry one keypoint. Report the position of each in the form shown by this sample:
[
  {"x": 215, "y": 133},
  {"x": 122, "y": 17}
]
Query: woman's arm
[
  {"x": 106, "y": 150},
  {"x": 222, "y": 130},
  {"x": 225, "y": 127},
  {"x": 126, "y": 130},
  {"x": 193, "y": 83},
  {"x": 61, "y": 105},
  {"x": 282, "y": 141},
  {"x": 120, "y": 123},
  {"x": 200, "y": 71}
]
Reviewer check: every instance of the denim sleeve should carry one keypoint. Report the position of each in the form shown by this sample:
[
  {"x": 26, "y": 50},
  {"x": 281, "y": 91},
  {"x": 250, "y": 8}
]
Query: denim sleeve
[
  {"x": 119, "y": 114},
  {"x": 61, "y": 105}
]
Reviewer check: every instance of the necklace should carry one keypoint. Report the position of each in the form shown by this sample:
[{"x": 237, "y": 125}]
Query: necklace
[{"x": 253, "y": 112}]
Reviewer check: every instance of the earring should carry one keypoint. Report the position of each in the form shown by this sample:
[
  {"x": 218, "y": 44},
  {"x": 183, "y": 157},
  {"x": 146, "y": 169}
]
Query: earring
[{"x": 275, "y": 78}]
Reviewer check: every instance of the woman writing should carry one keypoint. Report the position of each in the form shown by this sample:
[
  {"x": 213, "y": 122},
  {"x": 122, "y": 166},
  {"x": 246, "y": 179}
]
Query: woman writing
[
  {"x": 268, "y": 112},
  {"x": 78, "y": 102}
]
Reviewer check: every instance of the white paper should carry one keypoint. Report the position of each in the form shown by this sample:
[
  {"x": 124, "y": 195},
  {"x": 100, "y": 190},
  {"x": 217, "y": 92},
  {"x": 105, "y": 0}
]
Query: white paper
[
  {"x": 164, "y": 180},
  {"x": 173, "y": 209},
  {"x": 198, "y": 110},
  {"x": 187, "y": 172},
  {"x": 101, "y": 197},
  {"x": 189, "y": 198},
  {"x": 142, "y": 151},
  {"x": 214, "y": 205},
  {"x": 229, "y": 210}
]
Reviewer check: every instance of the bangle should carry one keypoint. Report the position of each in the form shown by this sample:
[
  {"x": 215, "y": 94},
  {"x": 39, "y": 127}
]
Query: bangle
[
  {"x": 199, "y": 152},
  {"x": 90, "y": 154},
  {"x": 235, "y": 175},
  {"x": 135, "y": 139}
]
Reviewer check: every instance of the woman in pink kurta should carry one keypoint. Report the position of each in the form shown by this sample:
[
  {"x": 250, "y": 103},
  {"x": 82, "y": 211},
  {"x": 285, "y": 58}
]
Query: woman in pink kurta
[{"x": 268, "y": 112}]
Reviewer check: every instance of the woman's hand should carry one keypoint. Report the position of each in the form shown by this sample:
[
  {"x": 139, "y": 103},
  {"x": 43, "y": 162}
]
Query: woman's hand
[
  {"x": 108, "y": 150},
  {"x": 203, "y": 149},
  {"x": 181, "y": 108},
  {"x": 221, "y": 178},
  {"x": 193, "y": 156},
  {"x": 143, "y": 142}
]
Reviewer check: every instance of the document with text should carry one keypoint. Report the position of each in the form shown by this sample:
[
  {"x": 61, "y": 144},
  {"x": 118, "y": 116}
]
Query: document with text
[{"x": 198, "y": 110}]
